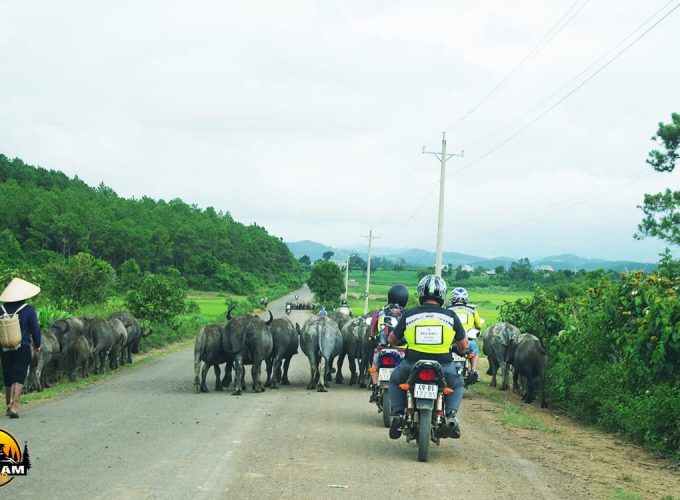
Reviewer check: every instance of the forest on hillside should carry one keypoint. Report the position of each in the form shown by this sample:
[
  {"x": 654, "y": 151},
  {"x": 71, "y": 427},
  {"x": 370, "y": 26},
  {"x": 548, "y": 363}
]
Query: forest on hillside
[{"x": 49, "y": 217}]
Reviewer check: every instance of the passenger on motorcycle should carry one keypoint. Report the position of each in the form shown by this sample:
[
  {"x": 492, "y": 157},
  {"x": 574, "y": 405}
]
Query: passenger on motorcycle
[
  {"x": 344, "y": 308},
  {"x": 469, "y": 317},
  {"x": 397, "y": 298},
  {"x": 416, "y": 327}
]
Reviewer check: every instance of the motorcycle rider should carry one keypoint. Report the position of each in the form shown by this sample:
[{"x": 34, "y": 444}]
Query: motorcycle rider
[
  {"x": 323, "y": 312},
  {"x": 397, "y": 298},
  {"x": 431, "y": 313},
  {"x": 471, "y": 321},
  {"x": 344, "y": 308},
  {"x": 288, "y": 308}
]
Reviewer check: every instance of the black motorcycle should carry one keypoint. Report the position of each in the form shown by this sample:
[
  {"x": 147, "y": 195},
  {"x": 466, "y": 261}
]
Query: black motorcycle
[
  {"x": 424, "y": 418},
  {"x": 464, "y": 364}
]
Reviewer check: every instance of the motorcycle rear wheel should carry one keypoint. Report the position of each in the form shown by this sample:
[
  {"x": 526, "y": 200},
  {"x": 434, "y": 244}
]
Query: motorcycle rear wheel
[
  {"x": 387, "y": 408},
  {"x": 424, "y": 427}
]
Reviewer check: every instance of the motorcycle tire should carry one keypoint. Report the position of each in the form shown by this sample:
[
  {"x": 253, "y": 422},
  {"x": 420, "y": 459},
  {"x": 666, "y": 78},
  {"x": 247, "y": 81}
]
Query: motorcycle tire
[
  {"x": 424, "y": 427},
  {"x": 387, "y": 408}
]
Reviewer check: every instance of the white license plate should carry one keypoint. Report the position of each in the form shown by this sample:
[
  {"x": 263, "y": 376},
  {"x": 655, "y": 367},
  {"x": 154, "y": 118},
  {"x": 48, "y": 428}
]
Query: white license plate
[
  {"x": 425, "y": 391},
  {"x": 385, "y": 373},
  {"x": 457, "y": 359}
]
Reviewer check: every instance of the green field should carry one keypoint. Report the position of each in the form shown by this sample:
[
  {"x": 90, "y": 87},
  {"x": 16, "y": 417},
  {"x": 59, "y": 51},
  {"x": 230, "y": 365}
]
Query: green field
[{"x": 486, "y": 299}]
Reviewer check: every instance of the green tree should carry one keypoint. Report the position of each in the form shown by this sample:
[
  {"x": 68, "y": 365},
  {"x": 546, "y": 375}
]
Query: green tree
[
  {"x": 500, "y": 269},
  {"x": 157, "y": 299},
  {"x": 79, "y": 280},
  {"x": 129, "y": 275},
  {"x": 356, "y": 263},
  {"x": 327, "y": 255},
  {"x": 662, "y": 210},
  {"x": 305, "y": 260},
  {"x": 326, "y": 281}
]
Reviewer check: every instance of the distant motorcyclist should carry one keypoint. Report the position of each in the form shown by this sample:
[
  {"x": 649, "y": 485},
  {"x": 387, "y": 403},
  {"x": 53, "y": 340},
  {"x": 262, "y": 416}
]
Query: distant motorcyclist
[
  {"x": 430, "y": 331},
  {"x": 323, "y": 312},
  {"x": 288, "y": 308},
  {"x": 469, "y": 317},
  {"x": 397, "y": 298},
  {"x": 344, "y": 308}
]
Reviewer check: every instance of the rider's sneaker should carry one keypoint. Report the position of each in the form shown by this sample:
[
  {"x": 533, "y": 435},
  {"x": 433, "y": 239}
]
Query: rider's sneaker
[
  {"x": 374, "y": 394},
  {"x": 473, "y": 377},
  {"x": 396, "y": 427},
  {"x": 454, "y": 427}
]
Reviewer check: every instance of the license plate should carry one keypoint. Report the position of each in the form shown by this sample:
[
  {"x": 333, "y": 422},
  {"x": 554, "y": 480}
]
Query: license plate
[
  {"x": 425, "y": 391},
  {"x": 384, "y": 373},
  {"x": 457, "y": 359}
]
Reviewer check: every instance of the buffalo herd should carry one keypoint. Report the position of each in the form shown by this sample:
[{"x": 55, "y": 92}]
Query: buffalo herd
[
  {"x": 70, "y": 346},
  {"x": 250, "y": 340}
]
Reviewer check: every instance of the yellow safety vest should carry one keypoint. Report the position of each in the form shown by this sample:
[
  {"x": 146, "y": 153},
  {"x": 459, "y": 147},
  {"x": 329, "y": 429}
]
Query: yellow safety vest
[
  {"x": 467, "y": 315},
  {"x": 429, "y": 332}
]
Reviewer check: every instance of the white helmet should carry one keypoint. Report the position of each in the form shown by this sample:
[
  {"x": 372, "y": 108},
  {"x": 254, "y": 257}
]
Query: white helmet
[
  {"x": 432, "y": 287},
  {"x": 459, "y": 295}
]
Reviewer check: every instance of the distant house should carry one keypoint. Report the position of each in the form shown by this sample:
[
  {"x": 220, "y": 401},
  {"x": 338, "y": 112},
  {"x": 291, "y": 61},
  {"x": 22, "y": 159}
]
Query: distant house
[
  {"x": 545, "y": 268},
  {"x": 467, "y": 267},
  {"x": 490, "y": 272}
]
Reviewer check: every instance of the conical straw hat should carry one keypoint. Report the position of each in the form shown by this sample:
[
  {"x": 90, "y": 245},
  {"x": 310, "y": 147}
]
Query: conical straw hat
[{"x": 19, "y": 289}]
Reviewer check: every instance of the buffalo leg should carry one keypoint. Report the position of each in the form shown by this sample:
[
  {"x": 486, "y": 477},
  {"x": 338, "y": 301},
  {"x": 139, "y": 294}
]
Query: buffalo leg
[
  {"x": 255, "y": 373},
  {"x": 339, "y": 379},
  {"x": 218, "y": 377},
  {"x": 284, "y": 376},
  {"x": 238, "y": 377},
  {"x": 352, "y": 370}
]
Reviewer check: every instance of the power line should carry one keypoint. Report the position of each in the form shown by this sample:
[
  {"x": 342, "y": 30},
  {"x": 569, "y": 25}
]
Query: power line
[
  {"x": 540, "y": 45},
  {"x": 566, "y": 85},
  {"x": 568, "y": 94}
]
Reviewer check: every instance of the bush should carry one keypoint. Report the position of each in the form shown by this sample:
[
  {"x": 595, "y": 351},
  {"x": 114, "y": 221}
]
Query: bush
[
  {"x": 79, "y": 280},
  {"x": 157, "y": 299},
  {"x": 326, "y": 281}
]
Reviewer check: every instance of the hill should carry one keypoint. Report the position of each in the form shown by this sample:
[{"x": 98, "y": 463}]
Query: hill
[
  {"x": 47, "y": 215},
  {"x": 422, "y": 258}
]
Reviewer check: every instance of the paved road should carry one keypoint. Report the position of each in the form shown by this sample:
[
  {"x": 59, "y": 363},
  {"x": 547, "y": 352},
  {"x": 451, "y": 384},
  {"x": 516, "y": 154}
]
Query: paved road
[{"x": 145, "y": 434}]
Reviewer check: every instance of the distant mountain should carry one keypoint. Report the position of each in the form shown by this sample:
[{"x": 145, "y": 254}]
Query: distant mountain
[{"x": 423, "y": 258}]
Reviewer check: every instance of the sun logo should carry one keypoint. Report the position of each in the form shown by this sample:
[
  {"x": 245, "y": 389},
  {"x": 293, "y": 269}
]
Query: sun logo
[{"x": 13, "y": 462}]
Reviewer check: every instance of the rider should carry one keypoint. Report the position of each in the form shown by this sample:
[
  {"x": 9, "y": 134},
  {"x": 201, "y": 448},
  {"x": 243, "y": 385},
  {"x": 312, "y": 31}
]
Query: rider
[
  {"x": 397, "y": 298},
  {"x": 323, "y": 312},
  {"x": 344, "y": 308},
  {"x": 472, "y": 323},
  {"x": 431, "y": 313}
]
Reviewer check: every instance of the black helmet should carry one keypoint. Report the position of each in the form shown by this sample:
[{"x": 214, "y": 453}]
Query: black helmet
[
  {"x": 432, "y": 287},
  {"x": 398, "y": 294}
]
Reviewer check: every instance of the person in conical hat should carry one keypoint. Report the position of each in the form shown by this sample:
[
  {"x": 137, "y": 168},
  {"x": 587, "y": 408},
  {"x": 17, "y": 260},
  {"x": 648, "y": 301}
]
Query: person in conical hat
[{"x": 15, "y": 362}]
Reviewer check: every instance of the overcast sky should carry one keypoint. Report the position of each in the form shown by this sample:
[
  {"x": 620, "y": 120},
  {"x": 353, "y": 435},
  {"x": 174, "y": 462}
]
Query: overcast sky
[{"x": 309, "y": 117}]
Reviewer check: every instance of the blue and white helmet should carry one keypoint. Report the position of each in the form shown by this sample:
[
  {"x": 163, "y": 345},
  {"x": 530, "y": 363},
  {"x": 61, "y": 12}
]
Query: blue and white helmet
[
  {"x": 432, "y": 287},
  {"x": 459, "y": 295}
]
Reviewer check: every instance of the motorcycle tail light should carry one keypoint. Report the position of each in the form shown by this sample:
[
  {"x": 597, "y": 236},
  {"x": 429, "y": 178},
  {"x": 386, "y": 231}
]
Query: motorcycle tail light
[
  {"x": 388, "y": 361},
  {"x": 427, "y": 375}
]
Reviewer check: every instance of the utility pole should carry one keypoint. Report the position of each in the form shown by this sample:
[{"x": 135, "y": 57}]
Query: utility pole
[
  {"x": 370, "y": 238},
  {"x": 346, "y": 275},
  {"x": 442, "y": 177}
]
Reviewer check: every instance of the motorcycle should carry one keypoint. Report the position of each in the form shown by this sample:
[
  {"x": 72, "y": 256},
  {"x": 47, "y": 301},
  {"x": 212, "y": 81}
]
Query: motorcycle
[
  {"x": 424, "y": 418},
  {"x": 464, "y": 364},
  {"x": 388, "y": 359},
  {"x": 288, "y": 309}
]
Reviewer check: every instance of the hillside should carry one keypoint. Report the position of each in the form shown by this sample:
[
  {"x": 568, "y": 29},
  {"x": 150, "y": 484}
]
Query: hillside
[
  {"x": 47, "y": 215},
  {"x": 422, "y": 258}
]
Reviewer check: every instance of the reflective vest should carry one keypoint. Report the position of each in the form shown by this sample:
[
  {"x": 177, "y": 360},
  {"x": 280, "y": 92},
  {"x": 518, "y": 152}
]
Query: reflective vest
[
  {"x": 468, "y": 316},
  {"x": 429, "y": 332}
]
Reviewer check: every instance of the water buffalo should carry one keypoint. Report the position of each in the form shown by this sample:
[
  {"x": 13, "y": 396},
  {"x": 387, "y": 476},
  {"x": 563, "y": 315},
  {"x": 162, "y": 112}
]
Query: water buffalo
[
  {"x": 102, "y": 337},
  {"x": 121, "y": 336},
  {"x": 49, "y": 352},
  {"x": 247, "y": 340},
  {"x": 321, "y": 341},
  {"x": 285, "y": 345},
  {"x": 352, "y": 338},
  {"x": 340, "y": 319},
  {"x": 74, "y": 347},
  {"x": 208, "y": 350},
  {"x": 135, "y": 334},
  {"x": 496, "y": 341},
  {"x": 529, "y": 359},
  {"x": 368, "y": 345}
]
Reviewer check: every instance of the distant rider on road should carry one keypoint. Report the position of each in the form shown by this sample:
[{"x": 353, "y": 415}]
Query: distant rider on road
[{"x": 469, "y": 317}]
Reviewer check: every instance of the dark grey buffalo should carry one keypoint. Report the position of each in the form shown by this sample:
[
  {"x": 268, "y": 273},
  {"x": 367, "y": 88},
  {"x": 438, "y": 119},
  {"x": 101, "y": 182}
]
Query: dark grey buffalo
[
  {"x": 352, "y": 338},
  {"x": 321, "y": 341},
  {"x": 529, "y": 359},
  {"x": 285, "y": 346},
  {"x": 135, "y": 334},
  {"x": 340, "y": 319},
  {"x": 247, "y": 340},
  {"x": 497, "y": 339},
  {"x": 102, "y": 337},
  {"x": 121, "y": 339},
  {"x": 208, "y": 352},
  {"x": 74, "y": 346},
  {"x": 49, "y": 353},
  {"x": 368, "y": 345}
]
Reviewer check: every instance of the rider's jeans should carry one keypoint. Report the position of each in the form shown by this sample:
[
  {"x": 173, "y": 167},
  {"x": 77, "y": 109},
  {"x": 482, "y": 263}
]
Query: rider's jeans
[{"x": 400, "y": 375}]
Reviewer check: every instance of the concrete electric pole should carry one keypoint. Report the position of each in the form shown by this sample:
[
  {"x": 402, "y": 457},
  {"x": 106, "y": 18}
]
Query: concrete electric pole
[
  {"x": 370, "y": 238},
  {"x": 443, "y": 156},
  {"x": 346, "y": 275}
]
